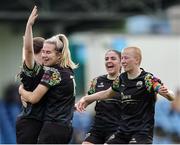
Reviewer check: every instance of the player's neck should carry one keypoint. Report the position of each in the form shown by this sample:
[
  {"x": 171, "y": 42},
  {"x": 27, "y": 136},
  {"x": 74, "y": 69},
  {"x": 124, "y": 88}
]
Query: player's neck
[
  {"x": 134, "y": 73},
  {"x": 112, "y": 77}
]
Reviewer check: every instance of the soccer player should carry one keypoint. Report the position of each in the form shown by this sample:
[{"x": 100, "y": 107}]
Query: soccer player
[
  {"x": 106, "y": 120},
  {"x": 138, "y": 90},
  {"x": 29, "y": 122}
]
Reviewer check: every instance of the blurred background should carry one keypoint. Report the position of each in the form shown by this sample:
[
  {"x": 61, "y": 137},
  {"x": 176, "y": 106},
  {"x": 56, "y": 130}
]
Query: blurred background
[{"x": 93, "y": 26}]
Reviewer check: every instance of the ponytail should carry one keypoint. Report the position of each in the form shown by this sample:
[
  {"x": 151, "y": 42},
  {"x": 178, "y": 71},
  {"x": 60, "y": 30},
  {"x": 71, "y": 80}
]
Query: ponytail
[{"x": 62, "y": 45}]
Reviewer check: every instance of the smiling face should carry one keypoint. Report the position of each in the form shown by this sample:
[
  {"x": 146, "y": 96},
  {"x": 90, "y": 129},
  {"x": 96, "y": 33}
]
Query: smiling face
[
  {"x": 112, "y": 63},
  {"x": 131, "y": 59},
  {"x": 50, "y": 56}
]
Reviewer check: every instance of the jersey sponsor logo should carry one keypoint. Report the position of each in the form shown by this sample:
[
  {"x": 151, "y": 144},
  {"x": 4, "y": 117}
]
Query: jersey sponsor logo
[
  {"x": 127, "y": 99},
  {"x": 132, "y": 141},
  {"x": 139, "y": 84},
  {"x": 101, "y": 85}
]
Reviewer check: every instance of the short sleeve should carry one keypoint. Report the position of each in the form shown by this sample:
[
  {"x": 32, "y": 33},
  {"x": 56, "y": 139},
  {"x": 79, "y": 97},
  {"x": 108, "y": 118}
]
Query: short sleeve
[
  {"x": 92, "y": 86},
  {"x": 152, "y": 83},
  {"x": 116, "y": 83},
  {"x": 31, "y": 72},
  {"x": 51, "y": 77}
]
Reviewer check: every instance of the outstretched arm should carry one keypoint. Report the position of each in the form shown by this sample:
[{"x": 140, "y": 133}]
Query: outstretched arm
[
  {"x": 88, "y": 99},
  {"x": 35, "y": 96},
  {"x": 28, "y": 40}
]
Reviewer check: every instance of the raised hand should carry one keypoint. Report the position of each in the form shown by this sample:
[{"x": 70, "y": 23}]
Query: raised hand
[
  {"x": 28, "y": 40},
  {"x": 33, "y": 16}
]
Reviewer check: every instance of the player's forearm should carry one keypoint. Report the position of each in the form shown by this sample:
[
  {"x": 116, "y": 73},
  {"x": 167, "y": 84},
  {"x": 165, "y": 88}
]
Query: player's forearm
[
  {"x": 28, "y": 46},
  {"x": 102, "y": 95},
  {"x": 94, "y": 97},
  {"x": 29, "y": 96},
  {"x": 25, "y": 95}
]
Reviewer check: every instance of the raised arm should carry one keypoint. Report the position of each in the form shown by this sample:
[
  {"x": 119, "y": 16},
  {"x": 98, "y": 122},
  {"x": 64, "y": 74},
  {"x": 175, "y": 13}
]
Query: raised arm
[
  {"x": 28, "y": 52},
  {"x": 88, "y": 99}
]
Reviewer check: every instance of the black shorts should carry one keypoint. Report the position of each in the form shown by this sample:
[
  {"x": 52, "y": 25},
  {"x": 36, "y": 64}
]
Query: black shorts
[
  {"x": 135, "y": 138},
  {"x": 98, "y": 136},
  {"x": 27, "y": 130},
  {"x": 55, "y": 133}
]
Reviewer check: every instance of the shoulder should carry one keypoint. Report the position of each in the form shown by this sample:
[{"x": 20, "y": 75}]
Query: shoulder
[
  {"x": 146, "y": 73},
  {"x": 94, "y": 80},
  {"x": 69, "y": 70},
  {"x": 152, "y": 82},
  {"x": 99, "y": 78},
  {"x": 150, "y": 76},
  {"x": 32, "y": 72},
  {"x": 92, "y": 86},
  {"x": 51, "y": 71},
  {"x": 51, "y": 76},
  {"x": 102, "y": 77}
]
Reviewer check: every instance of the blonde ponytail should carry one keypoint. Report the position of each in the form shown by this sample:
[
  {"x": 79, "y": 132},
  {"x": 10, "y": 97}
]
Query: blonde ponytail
[
  {"x": 66, "y": 60},
  {"x": 62, "y": 45}
]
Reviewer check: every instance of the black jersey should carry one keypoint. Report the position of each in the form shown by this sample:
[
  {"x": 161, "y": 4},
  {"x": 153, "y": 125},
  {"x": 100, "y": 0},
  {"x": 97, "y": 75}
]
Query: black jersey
[
  {"x": 31, "y": 79},
  {"x": 107, "y": 111},
  {"x": 60, "y": 96},
  {"x": 137, "y": 102}
]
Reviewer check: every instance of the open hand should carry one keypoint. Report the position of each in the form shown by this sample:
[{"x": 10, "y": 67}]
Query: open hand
[
  {"x": 81, "y": 105},
  {"x": 33, "y": 16}
]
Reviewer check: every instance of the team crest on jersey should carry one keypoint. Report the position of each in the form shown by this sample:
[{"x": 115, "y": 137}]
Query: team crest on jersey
[{"x": 139, "y": 84}]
